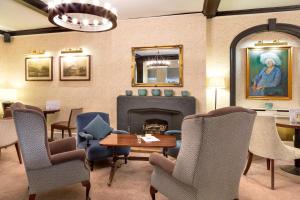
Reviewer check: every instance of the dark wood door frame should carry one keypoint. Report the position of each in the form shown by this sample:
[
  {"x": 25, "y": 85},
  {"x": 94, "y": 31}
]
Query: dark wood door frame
[{"x": 271, "y": 26}]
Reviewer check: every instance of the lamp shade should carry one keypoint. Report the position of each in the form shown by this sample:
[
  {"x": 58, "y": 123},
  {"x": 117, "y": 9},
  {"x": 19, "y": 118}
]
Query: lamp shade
[
  {"x": 8, "y": 94},
  {"x": 216, "y": 82}
]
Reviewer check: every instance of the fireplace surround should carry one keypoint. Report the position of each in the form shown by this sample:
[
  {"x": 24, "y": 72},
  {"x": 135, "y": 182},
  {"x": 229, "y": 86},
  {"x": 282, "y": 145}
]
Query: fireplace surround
[{"x": 133, "y": 111}]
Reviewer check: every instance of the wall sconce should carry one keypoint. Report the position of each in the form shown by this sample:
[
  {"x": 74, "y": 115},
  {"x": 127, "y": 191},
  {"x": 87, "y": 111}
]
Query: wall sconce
[
  {"x": 72, "y": 50},
  {"x": 8, "y": 95},
  {"x": 273, "y": 43},
  {"x": 36, "y": 53}
]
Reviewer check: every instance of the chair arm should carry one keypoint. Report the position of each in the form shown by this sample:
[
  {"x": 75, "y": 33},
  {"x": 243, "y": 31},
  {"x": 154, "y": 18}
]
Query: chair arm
[
  {"x": 162, "y": 162},
  {"x": 85, "y": 135},
  {"x": 172, "y": 132},
  {"x": 120, "y": 132},
  {"x": 68, "y": 156},
  {"x": 64, "y": 145}
]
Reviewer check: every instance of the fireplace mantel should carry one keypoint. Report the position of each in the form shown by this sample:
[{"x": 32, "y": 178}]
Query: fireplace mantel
[{"x": 153, "y": 105}]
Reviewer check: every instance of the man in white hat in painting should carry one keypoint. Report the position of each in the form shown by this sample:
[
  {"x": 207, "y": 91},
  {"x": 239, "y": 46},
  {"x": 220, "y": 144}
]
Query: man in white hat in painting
[{"x": 269, "y": 76}]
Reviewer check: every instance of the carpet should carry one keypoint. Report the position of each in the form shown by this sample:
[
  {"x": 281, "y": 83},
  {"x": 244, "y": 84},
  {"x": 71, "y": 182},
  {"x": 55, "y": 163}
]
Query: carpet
[{"x": 132, "y": 181}]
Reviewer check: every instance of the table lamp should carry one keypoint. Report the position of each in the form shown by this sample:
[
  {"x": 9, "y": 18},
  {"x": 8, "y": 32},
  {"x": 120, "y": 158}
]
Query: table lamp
[
  {"x": 8, "y": 95},
  {"x": 216, "y": 83}
]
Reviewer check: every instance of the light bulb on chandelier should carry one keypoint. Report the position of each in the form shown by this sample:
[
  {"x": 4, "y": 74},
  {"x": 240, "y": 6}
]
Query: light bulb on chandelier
[{"x": 82, "y": 15}]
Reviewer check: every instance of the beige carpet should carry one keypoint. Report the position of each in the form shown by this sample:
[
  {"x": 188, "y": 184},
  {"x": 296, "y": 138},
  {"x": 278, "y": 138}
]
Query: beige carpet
[{"x": 132, "y": 183}]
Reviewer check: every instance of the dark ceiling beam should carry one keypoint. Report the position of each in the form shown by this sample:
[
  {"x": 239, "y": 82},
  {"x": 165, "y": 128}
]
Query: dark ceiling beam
[
  {"x": 39, "y": 31},
  {"x": 210, "y": 8},
  {"x": 3, "y": 32},
  {"x": 36, "y": 5},
  {"x": 258, "y": 10}
]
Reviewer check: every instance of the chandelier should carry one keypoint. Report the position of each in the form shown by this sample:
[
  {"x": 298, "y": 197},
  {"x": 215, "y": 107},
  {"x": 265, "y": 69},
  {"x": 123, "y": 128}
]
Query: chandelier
[
  {"x": 82, "y": 15},
  {"x": 158, "y": 62}
]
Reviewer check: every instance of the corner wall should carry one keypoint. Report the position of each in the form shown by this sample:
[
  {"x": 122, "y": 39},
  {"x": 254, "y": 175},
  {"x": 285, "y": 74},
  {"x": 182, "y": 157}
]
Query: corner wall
[
  {"x": 220, "y": 33},
  {"x": 111, "y": 62}
]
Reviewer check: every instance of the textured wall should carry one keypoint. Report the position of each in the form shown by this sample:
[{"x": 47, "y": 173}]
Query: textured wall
[
  {"x": 111, "y": 62},
  {"x": 220, "y": 33}
]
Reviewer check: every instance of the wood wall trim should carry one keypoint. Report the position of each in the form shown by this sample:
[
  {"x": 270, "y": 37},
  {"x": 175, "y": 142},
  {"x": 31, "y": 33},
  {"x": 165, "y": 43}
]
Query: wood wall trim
[
  {"x": 271, "y": 26},
  {"x": 210, "y": 8},
  {"x": 39, "y": 31},
  {"x": 258, "y": 10},
  {"x": 36, "y": 5}
]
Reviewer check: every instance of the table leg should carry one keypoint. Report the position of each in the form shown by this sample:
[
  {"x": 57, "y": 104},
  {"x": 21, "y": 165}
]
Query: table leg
[
  {"x": 113, "y": 167},
  {"x": 294, "y": 169}
]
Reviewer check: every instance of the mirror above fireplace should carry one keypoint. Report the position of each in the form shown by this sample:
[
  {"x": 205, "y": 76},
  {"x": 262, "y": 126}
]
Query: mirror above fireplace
[{"x": 157, "y": 66}]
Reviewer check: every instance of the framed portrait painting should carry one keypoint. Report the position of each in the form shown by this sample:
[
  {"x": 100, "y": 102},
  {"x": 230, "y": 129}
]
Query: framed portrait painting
[
  {"x": 269, "y": 73},
  {"x": 75, "y": 68},
  {"x": 39, "y": 69}
]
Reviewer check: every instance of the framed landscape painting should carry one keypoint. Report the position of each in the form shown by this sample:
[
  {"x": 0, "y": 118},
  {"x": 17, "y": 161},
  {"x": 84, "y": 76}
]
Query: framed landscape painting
[
  {"x": 39, "y": 69},
  {"x": 75, "y": 68},
  {"x": 269, "y": 73}
]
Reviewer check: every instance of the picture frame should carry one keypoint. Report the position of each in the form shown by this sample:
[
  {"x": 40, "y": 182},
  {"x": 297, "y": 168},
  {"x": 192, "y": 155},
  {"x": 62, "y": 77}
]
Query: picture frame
[
  {"x": 39, "y": 69},
  {"x": 269, "y": 73},
  {"x": 75, "y": 68}
]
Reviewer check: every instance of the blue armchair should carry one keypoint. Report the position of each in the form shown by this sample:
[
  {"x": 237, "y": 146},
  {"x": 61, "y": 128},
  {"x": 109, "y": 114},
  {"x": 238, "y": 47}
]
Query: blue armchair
[
  {"x": 173, "y": 151},
  {"x": 95, "y": 151}
]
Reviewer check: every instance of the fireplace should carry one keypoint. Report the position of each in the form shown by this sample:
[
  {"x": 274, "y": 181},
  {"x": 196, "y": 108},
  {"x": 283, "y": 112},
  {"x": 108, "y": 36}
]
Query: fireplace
[
  {"x": 134, "y": 111},
  {"x": 155, "y": 126},
  {"x": 138, "y": 117}
]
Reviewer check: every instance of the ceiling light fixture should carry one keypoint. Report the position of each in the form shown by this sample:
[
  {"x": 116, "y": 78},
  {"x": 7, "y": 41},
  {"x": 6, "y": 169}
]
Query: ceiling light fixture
[
  {"x": 158, "y": 62},
  {"x": 82, "y": 15}
]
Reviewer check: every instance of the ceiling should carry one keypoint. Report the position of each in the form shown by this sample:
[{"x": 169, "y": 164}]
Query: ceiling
[
  {"x": 127, "y": 9},
  {"x": 226, "y": 5},
  {"x": 15, "y": 16}
]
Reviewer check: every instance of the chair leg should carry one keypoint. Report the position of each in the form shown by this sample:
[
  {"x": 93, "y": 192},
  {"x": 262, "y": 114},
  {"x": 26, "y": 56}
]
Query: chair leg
[
  {"x": 52, "y": 133},
  {"x": 63, "y": 133},
  {"x": 165, "y": 152},
  {"x": 272, "y": 175},
  {"x": 18, "y": 152},
  {"x": 268, "y": 164},
  {"x": 153, "y": 191},
  {"x": 250, "y": 157},
  {"x": 87, "y": 185},
  {"x": 70, "y": 132},
  {"x": 91, "y": 164},
  {"x": 125, "y": 158},
  {"x": 32, "y": 196}
]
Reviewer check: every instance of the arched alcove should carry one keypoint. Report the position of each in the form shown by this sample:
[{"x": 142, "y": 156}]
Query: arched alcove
[{"x": 271, "y": 26}]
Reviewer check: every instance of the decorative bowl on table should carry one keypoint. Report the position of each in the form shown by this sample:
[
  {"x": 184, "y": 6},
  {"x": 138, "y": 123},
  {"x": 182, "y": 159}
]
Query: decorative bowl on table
[
  {"x": 128, "y": 92},
  {"x": 155, "y": 92},
  {"x": 142, "y": 92},
  {"x": 168, "y": 93},
  {"x": 268, "y": 106},
  {"x": 185, "y": 93}
]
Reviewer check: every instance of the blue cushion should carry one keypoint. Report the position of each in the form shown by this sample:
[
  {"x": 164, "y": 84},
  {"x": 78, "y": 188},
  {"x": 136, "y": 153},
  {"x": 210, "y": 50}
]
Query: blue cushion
[{"x": 98, "y": 128}]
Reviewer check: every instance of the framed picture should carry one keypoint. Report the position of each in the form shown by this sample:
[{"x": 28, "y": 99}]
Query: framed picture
[
  {"x": 39, "y": 69},
  {"x": 269, "y": 73},
  {"x": 75, "y": 68}
]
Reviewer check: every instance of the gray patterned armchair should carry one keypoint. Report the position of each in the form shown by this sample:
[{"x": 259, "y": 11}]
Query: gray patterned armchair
[
  {"x": 48, "y": 165},
  {"x": 211, "y": 158}
]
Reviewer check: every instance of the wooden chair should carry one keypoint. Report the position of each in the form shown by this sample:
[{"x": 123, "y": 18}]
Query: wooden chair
[{"x": 66, "y": 125}]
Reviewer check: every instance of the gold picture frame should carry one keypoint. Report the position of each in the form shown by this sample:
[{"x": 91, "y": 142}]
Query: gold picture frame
[
  {"x": 179, "y": 80},
  {"x": 39, "y": 68},
  {"x": 269, "y": 73},
  {"x": 75, "y": 68}
]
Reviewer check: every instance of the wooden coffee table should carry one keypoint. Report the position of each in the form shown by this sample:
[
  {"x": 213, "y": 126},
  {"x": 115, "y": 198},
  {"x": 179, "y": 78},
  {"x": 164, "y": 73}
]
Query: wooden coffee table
[{"x": 130, "y": 140}]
